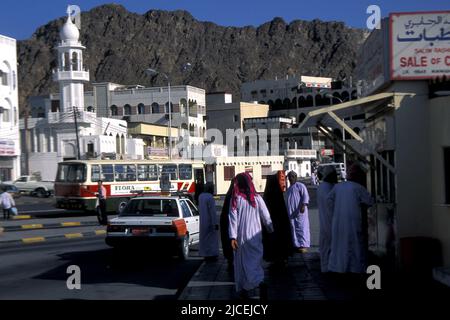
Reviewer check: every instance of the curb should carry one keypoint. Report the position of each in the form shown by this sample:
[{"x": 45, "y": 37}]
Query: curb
[
  {"x": 63, "y": 236},
  {"x": 36, "y": 226}
]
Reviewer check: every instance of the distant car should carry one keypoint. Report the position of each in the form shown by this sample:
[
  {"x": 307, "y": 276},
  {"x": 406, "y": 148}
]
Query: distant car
[
  {"x": 10, "y": 188},
  {"x": 171, "y": 221}
]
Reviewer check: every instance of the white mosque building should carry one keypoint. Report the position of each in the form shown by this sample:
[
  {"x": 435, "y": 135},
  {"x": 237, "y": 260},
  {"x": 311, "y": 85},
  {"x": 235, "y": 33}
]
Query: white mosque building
[{"x": 70, "y": 131}]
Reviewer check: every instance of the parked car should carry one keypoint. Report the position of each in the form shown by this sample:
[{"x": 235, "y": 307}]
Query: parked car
[
  {"x": 10, "y": 188},
  {"x": 171, "y": 221},
  {"x": 34, "y": 186}
]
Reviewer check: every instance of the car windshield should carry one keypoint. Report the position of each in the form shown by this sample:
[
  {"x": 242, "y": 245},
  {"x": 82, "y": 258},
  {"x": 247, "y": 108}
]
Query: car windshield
[{"x": 151, "y": 207}]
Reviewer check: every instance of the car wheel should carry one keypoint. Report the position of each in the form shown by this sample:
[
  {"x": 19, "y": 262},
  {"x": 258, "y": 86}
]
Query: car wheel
[
  {"x": 183, "y": 250},
  {"x": 40, "y": 193}
]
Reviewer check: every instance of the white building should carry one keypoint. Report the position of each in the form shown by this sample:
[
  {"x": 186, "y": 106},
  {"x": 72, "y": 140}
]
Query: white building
[
  {"x": 67, "y": 131},
  {"x": 9, "y": 111},
  {"x": 293, "y": 97}
]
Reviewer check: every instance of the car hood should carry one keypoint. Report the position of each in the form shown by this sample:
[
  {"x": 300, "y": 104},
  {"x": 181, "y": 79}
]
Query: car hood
[{"x": 142, "y": 221}]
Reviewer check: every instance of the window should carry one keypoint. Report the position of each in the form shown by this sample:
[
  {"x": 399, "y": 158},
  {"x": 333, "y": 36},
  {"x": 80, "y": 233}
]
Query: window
[
  {"x": 185, "y": 171},
  {"x": 185, "y": 209},
  {"x": 107, "y": 172},
  {"x": 90, "y": 109},
  {"x": 6, "y": 115},
  {"x": 4, "y": 78},
  {"x": 235, "y": 118},
  {"x": 447, "y": 174},
  {"x": 266, "y": 170},
  {"x": 141, "y": 108},
  {"x": 127, "y": 110},
  {"x": 95, "y": 173},
  {"x": 22, "y": 179},
  {"x": 228, "y": 173},
  {"x": 125, "y": 172},
  {"x": 151, "y": 207},
  {"x": 71, "y": 173},
  {"x": 193, "y": 208},
  {"x": 155, "y": 107},
  {"x": 114, "y": 111},
  {"x": 148, "y": 172},
  {"x": 170, "y": 170}
]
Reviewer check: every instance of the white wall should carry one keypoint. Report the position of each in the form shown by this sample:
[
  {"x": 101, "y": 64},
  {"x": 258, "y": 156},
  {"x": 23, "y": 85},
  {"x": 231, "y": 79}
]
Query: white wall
[{"x": 45, "y": 163}]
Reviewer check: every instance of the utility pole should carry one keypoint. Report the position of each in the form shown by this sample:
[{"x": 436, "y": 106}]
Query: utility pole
[
  {"x": 27, "y": 142},
  {"x": 75, "y": 111}
]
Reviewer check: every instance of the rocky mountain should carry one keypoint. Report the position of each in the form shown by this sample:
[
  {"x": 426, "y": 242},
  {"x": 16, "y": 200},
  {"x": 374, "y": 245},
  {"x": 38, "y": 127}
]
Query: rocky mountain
[{"x": 121, "y": 45}]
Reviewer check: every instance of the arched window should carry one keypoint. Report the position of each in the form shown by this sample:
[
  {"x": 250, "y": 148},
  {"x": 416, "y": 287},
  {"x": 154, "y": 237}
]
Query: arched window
[
  {"x": 114, "y": 110},
  {"x": 301, "y": 117},
  {"x": 357, "y": 130},
  {"x": 155, "y": 107},
  {"x": 141, "y": 108},
  {"x": 354, "y": 95},
  {"x": 278, "y": 105},
  {"x": 294, "y": 103},
  {"x": 75, "y": 61},
  {"x": 117, "y": 143},
  {"x": 270, "y": 103},
  {"x": 183, "y": 107},
  {"x": 127, "y": 110},
  {"x": 345, "y": 96},
  {"x": 309, "y": 101},
  {"x": 337, "y": 98},
  {"x": 167, "y": 107},
  {"x": 301, "y": 102},
  {"x": 90, "y": 109},
  {"x": 66, "y": 61}
]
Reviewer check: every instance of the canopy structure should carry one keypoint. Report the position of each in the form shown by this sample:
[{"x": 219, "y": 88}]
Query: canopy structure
[{"x": 374, "y": 106}]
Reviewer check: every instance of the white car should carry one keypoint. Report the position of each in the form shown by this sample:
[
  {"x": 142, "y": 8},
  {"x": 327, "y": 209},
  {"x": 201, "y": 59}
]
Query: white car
[{"x": 156, "y": 220}]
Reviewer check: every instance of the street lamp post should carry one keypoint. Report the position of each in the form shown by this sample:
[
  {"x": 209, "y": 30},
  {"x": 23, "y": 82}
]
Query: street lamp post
[
  {"x": 151, "y": 72},
  {"x": 330, "y": 96}
]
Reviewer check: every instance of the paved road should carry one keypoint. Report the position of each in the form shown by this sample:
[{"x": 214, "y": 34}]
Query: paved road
[{"x": 39, "y": 272}]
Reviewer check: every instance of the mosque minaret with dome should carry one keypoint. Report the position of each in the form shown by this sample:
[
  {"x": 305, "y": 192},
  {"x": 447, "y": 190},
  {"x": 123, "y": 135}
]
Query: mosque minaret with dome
[{"x": 70, "y": 73}]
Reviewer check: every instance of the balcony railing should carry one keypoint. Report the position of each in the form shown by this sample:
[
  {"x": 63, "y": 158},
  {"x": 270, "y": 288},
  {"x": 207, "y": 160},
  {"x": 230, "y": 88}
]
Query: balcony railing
[{"x": 70, "y": 75}]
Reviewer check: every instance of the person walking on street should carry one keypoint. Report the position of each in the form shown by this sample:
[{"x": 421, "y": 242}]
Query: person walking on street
[
  {"x": 329, "y": 178},
  {"x": 278, "y": 246},
  {"x": 7, "y": 202},
  {"x": 247, "y": 212},
  {"x": 101, "y": 205},
  {"x": 227, "y": 250},
  {"x": 297, "y": 201},
  {"x": 209, "y": 227},
  {"x": 346, "y": 201}
]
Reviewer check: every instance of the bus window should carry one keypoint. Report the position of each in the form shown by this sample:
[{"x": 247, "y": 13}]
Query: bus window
[
  {"x": 185, "y": 171},
  {"x": 107, "y": 173},
  {"x": 95, "y": 173},
  {"x": 71, "y": 172},
  {"x": 147, "y": 172},
  {"x": 170, "y": 170},
  {"x": 125, "y": 172}
]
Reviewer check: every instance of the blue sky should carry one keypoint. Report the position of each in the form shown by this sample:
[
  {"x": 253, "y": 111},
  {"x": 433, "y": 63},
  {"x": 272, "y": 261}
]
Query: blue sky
[{"x": 20, "y": 18}]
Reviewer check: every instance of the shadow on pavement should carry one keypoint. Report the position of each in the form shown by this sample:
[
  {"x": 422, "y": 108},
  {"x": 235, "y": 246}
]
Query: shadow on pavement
[{"x": 108, "y": 266}]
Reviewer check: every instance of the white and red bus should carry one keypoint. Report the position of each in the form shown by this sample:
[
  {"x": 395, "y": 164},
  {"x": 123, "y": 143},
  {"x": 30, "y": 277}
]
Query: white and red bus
[{"x": 76, "y": 182}]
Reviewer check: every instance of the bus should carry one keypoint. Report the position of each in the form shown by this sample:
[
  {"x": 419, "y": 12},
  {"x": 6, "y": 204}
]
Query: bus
[{"x": 76, "y": 182}]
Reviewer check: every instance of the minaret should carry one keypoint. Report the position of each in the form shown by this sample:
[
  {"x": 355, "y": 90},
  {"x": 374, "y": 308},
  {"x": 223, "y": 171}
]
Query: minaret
[{"x": 70, "y": 73}]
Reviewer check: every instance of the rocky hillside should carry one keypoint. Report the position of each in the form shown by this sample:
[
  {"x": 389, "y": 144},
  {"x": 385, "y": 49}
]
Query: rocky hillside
[{"x": 121, "y": 45}]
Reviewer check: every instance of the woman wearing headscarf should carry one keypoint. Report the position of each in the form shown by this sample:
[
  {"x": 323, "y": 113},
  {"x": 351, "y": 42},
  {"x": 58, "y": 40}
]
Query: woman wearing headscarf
[
  {"x": 278, "y": 246},
  {"x": 329, "y": 179},
  {"x": 247, "y": 212}
]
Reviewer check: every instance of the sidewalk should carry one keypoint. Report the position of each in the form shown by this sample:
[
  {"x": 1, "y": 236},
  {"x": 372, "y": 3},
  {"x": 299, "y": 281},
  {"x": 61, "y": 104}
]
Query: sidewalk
[{"x": 300, "y": 280}]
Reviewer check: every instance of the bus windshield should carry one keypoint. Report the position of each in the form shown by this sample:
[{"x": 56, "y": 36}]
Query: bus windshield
[{"x": 71, "y": 172}]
